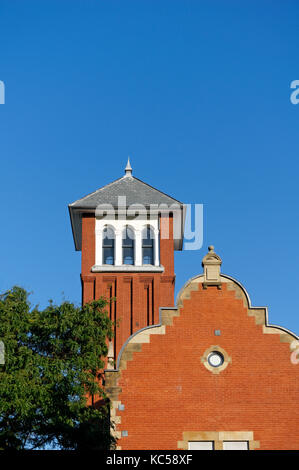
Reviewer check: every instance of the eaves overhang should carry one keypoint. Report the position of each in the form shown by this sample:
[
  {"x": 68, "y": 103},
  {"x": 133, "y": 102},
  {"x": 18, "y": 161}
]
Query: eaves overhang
[{"x": 77, "y": 212}]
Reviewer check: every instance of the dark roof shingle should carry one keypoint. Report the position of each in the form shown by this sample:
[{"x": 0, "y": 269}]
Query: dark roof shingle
[{"x": 135, "y": 191}]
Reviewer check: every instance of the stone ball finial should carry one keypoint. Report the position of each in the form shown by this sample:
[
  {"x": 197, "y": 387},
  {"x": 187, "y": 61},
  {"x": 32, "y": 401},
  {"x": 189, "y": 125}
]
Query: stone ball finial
[{"x": 211, "y": 248}]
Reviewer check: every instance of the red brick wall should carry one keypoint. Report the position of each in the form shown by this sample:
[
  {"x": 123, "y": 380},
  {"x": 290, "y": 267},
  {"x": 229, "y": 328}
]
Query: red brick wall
[
  {"x": 166, "y": 389},
  {"x": 88, "y": 243},
  {"x": 166, "y": 244}
]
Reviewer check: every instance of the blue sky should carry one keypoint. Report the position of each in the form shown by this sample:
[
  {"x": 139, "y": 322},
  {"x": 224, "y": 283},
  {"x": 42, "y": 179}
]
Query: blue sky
[{"x": 196, "y": 92}]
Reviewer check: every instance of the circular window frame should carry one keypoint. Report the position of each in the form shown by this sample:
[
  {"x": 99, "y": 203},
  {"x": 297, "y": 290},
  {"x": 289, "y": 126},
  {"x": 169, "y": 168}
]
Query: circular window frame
[
  {"x": 226, "y": 359},
  {"x": 217, "y": 356}
]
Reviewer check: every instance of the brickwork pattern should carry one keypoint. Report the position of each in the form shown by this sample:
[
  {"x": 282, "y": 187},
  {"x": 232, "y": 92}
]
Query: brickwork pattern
[{"x": 167, "y": 391}]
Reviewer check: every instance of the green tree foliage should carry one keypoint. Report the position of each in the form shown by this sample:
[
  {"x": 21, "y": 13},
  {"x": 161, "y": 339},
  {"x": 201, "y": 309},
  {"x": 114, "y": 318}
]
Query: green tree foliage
[{"x": 50, "y": 385}]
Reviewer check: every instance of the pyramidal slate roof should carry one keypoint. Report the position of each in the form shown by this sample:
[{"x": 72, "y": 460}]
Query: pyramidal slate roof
[{"x": 135, "y": 191}]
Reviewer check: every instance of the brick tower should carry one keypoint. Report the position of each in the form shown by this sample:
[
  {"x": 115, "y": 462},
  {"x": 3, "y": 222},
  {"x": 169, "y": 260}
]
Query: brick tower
[{"x": 127, "y": 232}]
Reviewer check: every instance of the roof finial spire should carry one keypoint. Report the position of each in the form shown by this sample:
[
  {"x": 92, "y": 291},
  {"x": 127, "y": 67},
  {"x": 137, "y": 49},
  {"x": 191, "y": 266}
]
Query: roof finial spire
[{"x": 128, "y": 169}]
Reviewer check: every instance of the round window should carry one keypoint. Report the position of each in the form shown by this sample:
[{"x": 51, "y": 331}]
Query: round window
[{"x": 215, "y": 359}]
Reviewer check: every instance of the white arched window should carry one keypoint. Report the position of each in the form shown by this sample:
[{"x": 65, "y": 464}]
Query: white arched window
[
  {"x": 108, "y": 245},
  {"x": 147, "y": 246},
  {"x": 128, "y": 245}
]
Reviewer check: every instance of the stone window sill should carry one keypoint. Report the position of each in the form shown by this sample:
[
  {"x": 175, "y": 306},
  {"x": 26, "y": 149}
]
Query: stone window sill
[{"x": 127, "y": 268}]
